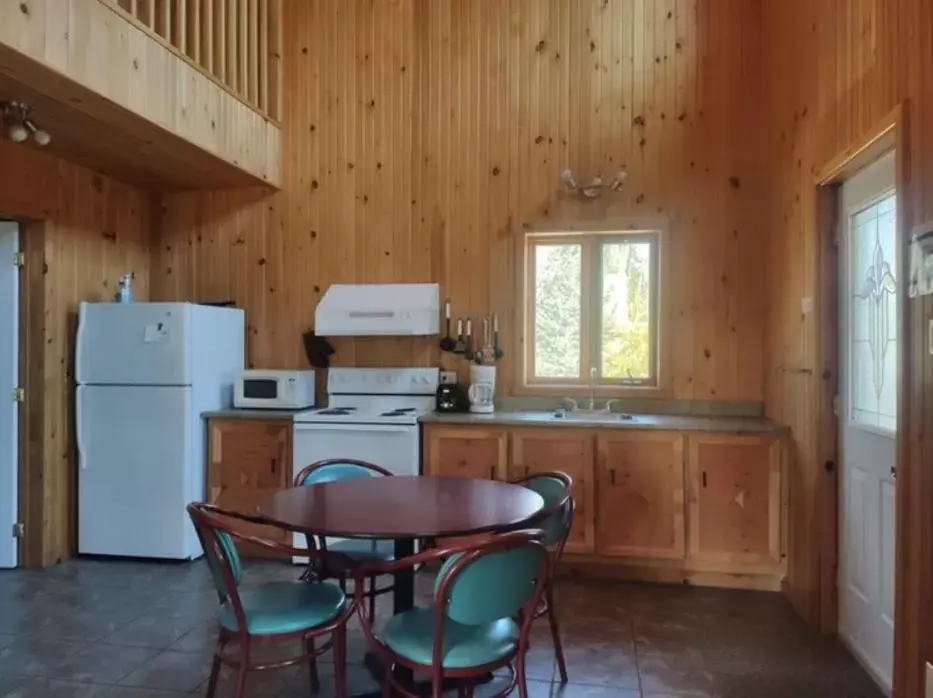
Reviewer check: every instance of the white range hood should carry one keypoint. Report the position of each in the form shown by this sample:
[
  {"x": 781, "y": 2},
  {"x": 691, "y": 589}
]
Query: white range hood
[{"x": 363, "y": 310}]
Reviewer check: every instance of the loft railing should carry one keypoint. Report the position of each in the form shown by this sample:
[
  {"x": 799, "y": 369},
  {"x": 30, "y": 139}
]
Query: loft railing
[{"x": 238, "y": 43}]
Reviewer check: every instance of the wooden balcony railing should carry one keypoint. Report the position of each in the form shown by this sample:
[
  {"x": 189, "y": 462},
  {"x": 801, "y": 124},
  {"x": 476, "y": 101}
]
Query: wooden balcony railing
[{"x": 236, "y": 42}]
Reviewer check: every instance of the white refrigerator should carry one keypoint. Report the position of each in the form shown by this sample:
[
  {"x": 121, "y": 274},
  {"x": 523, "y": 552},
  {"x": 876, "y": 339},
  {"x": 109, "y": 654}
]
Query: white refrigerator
[{"x": 146, "y": 372}]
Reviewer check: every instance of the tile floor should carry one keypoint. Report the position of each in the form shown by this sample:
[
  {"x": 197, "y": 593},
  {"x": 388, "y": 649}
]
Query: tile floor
[{"x": 91, "y": 628}]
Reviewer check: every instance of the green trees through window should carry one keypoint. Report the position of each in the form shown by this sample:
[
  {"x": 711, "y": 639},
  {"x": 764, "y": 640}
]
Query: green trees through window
[{"x": 594, "y": 301}]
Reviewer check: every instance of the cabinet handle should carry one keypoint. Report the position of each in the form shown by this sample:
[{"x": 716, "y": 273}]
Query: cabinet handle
[
  {"x": 612, "y": 476},
  {"x": 704, "y": 478},
  {"x": 492, "y": 472},
  {"x": 273, "y": 464}
]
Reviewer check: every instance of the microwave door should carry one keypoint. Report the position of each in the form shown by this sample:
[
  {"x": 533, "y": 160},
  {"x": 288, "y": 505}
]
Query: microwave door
[{"x": 260, "y": 389}]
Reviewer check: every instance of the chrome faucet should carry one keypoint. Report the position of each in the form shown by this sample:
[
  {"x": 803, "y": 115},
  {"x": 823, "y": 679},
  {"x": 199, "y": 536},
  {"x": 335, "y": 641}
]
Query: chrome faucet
[{"x": 592, "y": 389}]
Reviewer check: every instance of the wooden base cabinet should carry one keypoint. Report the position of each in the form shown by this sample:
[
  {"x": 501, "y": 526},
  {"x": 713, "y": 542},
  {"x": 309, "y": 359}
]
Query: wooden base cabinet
[
  {"x": 466, "y": 452},
  {"x": 249, "y": 460},
  {"x": 696, "y": 507},
  {"x": 640, "y": 495},
  {"x": 735, "y": 503},
  {"x": 569, "y": 451}
]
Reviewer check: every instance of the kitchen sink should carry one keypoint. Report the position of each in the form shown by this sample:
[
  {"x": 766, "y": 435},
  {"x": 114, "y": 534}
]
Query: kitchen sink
[{"x": 593, "y": 416}]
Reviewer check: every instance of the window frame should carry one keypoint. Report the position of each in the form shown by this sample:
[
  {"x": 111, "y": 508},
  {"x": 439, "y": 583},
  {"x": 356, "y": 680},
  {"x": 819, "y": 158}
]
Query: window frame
[{"x": 591, "y": 242}]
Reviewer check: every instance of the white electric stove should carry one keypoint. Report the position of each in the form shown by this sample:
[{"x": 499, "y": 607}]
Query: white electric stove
[{"x": 371, "y": 415}]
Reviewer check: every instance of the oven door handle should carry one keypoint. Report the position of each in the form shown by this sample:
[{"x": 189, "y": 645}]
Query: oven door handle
[{"x": 383, "y": 428}]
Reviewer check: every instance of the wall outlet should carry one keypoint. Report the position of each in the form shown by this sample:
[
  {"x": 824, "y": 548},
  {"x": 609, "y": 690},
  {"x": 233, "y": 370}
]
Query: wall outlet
[{"x": 448, "y": 377}]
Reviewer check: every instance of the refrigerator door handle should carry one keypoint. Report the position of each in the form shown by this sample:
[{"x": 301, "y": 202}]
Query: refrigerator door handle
[
  {"x": 79, "y": 428},
  {"x": 79, "y": 343}
]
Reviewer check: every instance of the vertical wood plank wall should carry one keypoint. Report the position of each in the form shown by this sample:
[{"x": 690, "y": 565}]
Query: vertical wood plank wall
[
  {"x": 834, "y": 70},
  {"x": 93, "y": 229},
  {"x": 421, "y": 136}
]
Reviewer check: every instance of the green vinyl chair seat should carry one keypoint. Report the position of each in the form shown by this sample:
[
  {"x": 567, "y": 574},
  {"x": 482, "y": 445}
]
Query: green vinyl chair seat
[
  {"x": 278, "y": 608},
  {"x": 411, "y": 635}
]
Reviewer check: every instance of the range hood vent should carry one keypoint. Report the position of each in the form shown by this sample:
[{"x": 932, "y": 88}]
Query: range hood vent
[{"x": 368, "y": 310}]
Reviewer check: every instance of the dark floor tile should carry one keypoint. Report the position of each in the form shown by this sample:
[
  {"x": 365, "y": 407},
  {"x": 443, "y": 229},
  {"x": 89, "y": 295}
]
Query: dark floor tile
[
  {"x": 572, "y": 690},
  {"x": 100, "y": 663},
  {"x": 10, "y": 681},
  {"x": 259, "y": 684},
  {"x": 669, "y": 675},
  {"x": 151, "y": 631},
  {"x": 173, "y": 671},
  {"x": 201, "y": 639},
  {"x": 35, "y": 657},
  {"x": 54, "y": 688},
  {"x": 601, "y": 667},
  {"x": 536, "y": 689}
]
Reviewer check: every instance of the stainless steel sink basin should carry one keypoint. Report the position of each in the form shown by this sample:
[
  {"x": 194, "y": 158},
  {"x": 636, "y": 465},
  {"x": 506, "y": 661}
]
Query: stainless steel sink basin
[{"x": 593, "y": 416}]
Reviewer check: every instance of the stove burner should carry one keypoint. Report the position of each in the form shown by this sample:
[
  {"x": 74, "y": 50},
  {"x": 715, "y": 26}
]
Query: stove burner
[{"x": 400, "y": 412}]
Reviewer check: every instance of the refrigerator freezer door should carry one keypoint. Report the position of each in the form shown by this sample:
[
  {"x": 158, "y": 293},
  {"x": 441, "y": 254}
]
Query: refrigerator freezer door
[
  {"x": 134, "y": 344},
  {"x": 135, "y": 462}
]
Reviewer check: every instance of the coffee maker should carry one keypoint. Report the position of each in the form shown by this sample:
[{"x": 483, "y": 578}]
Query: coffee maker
[
  {"x": 451, "y": 397},
  {"x": 482, "y": 392}
]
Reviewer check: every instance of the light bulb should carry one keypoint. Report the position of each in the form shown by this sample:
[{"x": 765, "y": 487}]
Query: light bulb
[
  {"x": 42, "y": 137},
  {"x": 17, "y": 133}
]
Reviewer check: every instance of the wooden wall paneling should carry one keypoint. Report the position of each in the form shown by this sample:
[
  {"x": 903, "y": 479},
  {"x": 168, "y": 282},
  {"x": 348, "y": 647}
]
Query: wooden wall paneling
[
  {"x": 70, "y": 66},
  {"x": 851, "y": 64},
  {"x": 494, "y": 102},
  {"x": 83, "y": 231}
]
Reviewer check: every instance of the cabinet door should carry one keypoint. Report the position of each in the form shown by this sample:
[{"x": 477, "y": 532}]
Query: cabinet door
[
  {"x": 735, "y": 501},
  {"x": 249, "y": 460},
  {"x": 569, "y": 451},
  {"x": 466, "y": 452},
  {"x": 640, "y": 495}
]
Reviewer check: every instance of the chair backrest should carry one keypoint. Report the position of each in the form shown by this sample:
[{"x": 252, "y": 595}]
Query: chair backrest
[
  {"x": 496, "y": 579},
  {"x": 336, "y": 469},
  {"x": 213, "y": 528},
  {"x": 556, "y": 489}
]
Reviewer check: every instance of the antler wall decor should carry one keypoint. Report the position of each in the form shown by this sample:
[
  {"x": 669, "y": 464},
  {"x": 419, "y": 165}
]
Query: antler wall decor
[{"x": 594, "y": 188}]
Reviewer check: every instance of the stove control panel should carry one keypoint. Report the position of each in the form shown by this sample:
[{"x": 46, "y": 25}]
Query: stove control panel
[{"x": 382, "y": 381}]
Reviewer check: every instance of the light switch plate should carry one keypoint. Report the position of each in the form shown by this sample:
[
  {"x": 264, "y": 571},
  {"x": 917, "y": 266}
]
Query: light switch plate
[{"x": 806, "y": 305}]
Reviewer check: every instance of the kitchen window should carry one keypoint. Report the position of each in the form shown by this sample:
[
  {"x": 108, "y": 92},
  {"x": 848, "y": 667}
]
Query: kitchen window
[{"x": 592, "y": 310}]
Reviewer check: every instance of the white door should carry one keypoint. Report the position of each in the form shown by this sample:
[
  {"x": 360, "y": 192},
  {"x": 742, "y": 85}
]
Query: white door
[
  {"x": 133, "y": 344},
  {"x": 869, "y": 279},
  {"x": 9, "y": 379},
  {"x": 135, "y": 457}
]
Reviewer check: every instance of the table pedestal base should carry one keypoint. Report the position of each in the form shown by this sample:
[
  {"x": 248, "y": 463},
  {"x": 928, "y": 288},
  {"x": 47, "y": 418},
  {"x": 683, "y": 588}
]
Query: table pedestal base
[{"x": 420, "y": 686}]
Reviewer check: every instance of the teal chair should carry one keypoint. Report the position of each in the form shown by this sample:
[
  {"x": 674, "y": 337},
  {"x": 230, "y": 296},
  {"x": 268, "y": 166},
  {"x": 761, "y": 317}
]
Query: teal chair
[
  {"x": 272, "y": 613},
  {"x": 556, "y": 489},
  {"x": 485, "y": 596},
  {"x": 370, "y": 550}
]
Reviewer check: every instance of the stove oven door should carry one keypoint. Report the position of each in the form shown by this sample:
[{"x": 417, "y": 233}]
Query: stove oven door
[{"x": 396, "y": 447}]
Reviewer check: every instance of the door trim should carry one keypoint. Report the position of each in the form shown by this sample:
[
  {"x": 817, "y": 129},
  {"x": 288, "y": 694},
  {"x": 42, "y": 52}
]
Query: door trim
[{"x": 889, "y": 134}]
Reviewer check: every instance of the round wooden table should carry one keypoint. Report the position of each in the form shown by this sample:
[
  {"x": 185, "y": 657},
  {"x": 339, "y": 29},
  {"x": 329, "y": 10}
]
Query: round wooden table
[{"x": 403, "y": 509}]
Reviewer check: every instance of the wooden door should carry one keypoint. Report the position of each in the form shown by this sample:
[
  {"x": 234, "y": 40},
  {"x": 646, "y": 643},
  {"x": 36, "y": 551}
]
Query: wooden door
[
  {"x": 569, "y": 451},
  {"x": 249, "y": 460},
  {"x": 466, "y": 452},
  {"x": 640, "y": 494},
  {"x": 735, "y": 502}
]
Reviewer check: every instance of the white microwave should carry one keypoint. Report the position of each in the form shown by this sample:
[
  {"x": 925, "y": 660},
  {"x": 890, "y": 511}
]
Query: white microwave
[{"x": 274, "y": 389}]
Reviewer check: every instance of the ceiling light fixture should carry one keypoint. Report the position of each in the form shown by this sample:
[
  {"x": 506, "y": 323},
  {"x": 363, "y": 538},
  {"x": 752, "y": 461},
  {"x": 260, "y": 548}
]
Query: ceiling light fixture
[
  {"x": 41, "y": 136},
  {"x": 18, "y": 125}
]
